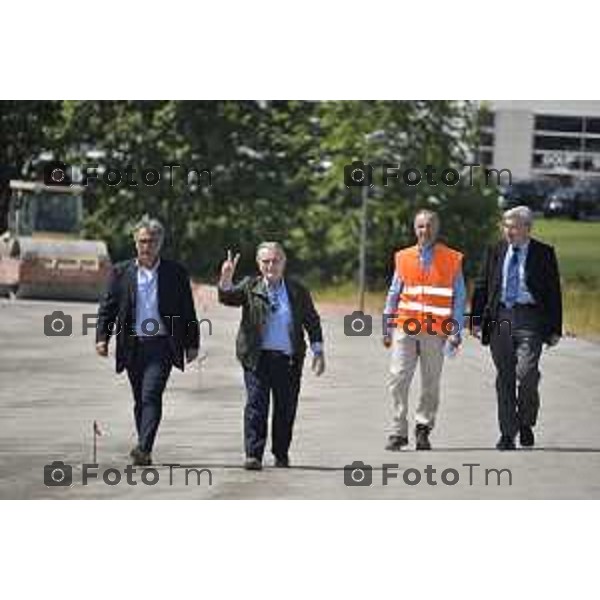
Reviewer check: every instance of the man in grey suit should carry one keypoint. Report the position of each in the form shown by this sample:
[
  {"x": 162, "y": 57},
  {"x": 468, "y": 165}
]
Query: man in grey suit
[{"x": 516, "y": 308}]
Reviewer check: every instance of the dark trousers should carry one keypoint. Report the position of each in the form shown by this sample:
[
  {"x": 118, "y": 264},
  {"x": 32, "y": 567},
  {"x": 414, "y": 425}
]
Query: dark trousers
[
  {"x": 516, "y": 353},
  {"x": 281, "y": 375},
  {"x": 148, "y": 369}
]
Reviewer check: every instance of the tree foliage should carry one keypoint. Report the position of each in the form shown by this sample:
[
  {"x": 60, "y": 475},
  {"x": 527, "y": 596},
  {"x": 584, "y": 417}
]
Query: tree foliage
[
  {"x": 24, "y": 128},
  {"x": 277, "y": 172}
]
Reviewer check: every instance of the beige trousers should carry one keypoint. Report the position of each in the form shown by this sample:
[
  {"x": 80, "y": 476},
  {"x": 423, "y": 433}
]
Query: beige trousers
[{"x": 407, "y": 350}]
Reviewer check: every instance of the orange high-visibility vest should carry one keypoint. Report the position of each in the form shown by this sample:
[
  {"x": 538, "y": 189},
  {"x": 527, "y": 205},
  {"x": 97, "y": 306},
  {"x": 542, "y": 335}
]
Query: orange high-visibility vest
[{"x": 427, "y": 293}]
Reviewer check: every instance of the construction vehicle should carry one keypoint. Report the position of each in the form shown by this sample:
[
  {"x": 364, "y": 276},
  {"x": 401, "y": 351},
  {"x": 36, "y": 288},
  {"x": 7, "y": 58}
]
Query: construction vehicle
[{"x": 43, "y": 255}]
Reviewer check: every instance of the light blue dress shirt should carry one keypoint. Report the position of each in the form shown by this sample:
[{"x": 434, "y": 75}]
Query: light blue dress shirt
[
  {"x": 277, "y": 331},
  {"x": 146, "y": 305},
  {"x": 524, "y": 296},
  {"x": 459, "y": 294},
  {"x": 276, "y": 334}
]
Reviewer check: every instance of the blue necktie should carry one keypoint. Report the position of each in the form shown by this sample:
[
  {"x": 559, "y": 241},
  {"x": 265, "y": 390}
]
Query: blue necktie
[{"x": 512, "y": 278}]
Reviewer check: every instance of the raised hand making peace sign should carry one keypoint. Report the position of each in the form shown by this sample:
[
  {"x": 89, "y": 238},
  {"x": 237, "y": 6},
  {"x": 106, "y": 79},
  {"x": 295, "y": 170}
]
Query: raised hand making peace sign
[{"x": 228, "y": 269}]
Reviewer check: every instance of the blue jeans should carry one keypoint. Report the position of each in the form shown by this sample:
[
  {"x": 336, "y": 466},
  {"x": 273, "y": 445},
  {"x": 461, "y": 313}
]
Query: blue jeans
[
  {"x": 148, "y": 371},
  {"x": 279, "y": 374}
]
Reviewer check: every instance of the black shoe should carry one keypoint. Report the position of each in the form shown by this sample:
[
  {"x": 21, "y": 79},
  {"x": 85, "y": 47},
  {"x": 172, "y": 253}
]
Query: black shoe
[
  {"x": 526, "y": 437},
  {"x": 140, "y": 459},
  {"x": 505, "y": 443},
  {"x": 252, "y": 464},
  {"x": 422, "y": 432},
  {"x": 396, "y": 443},
  {"x": 282, "y": 462}
]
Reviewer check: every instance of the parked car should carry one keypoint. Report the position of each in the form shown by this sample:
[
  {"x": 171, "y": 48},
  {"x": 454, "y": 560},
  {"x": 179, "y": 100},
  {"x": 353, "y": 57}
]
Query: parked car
[
  {"x": 532, "y": 193},
  {"x": 560, "y": 203},
  {"x": 577, "y": 202}
]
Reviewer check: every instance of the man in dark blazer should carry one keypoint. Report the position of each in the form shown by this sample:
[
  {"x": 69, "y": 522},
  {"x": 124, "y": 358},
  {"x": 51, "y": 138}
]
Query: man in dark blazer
[
  {"x": 276, "y": 311},
  {"x": 149, "y": 304},
  {"x": 515, "y": 309}
]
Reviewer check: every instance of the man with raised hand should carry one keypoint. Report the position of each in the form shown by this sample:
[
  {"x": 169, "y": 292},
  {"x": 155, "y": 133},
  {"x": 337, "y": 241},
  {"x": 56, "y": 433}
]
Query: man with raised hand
[{"x": 276, "y": 313}]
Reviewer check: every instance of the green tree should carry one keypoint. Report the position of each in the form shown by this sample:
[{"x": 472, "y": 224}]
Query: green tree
[
  {"x": 413, "y": 134},
  {"x": 277, "y": 173},
  {"x": 25, "y": 128}
]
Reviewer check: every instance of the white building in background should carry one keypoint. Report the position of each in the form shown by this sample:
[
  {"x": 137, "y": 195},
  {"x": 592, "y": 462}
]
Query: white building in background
[{"x": 541, "y": 138}]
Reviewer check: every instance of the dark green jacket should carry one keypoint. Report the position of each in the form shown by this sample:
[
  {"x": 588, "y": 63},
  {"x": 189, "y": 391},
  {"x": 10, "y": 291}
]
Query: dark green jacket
[{"x": 251, "y": 295}]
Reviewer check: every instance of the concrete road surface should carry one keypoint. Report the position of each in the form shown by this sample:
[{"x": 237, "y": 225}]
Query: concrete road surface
[{"x": 53, "y": 388}]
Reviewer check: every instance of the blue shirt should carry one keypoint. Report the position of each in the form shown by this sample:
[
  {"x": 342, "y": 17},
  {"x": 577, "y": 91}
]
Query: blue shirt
[
  {"x": 276, "y": 334},
  {"x": 277, "y": 331},
  {"x": 278, "y": 325},
  {"x": 459, "y": 294},
  {"x": 146, "y": 304},
  {"x": 524, "y": 296}
]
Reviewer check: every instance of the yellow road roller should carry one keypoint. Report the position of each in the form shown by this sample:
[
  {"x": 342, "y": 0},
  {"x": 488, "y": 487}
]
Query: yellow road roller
[{"x": 43, "y": 255}]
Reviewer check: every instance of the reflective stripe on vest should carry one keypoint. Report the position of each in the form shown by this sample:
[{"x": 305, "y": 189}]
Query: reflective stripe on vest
[
  {"x": 429, "y": 290},
  {"x": 425, "y": 308}
]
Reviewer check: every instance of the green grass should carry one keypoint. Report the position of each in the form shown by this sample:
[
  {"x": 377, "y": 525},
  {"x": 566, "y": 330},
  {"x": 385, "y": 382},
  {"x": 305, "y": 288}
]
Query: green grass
[{"x": 577, "y": 247}]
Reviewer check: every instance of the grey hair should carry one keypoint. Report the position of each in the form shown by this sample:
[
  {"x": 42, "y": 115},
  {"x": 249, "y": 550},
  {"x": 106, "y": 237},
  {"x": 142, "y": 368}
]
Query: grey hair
[
  {"x": 271, "y": 246},
  {"x": 152, "y": 225},
  {"x": 425, "y": 212},
  {"x": 523, "y": 214}
]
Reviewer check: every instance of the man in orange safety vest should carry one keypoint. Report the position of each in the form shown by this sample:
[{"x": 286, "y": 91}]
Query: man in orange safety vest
[{"x": 423, "y": 321}]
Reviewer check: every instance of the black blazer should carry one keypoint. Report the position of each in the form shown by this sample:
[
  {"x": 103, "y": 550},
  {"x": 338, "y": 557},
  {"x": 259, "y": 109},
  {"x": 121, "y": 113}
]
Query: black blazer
[
  {"x": 117, "y": 305},
  {"x": 252, "y": 296},
  {"x": 541, "y": 276}
]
